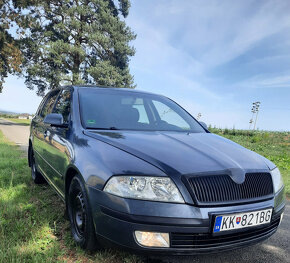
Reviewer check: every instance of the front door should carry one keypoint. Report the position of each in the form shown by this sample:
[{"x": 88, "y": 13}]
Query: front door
[{"x": 58, "y": 148}]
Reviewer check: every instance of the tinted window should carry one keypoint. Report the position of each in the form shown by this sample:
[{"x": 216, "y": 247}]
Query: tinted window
[
  {"x": 111, "y": 109},
  {"x": 47, "y": 108},
  {"x": 62, "y": 105}
]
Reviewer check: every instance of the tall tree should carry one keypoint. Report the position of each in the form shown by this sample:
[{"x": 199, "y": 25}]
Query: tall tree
[
  {"x": 78, "y": 42},
  {"x": 10, "y": 54}
]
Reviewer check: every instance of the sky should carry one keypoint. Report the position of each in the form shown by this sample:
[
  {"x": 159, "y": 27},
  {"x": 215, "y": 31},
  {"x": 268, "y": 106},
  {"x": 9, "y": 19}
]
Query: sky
[{"x": 212, "y": 57}]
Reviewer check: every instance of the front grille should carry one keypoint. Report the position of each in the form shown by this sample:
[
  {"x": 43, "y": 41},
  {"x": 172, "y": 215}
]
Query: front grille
[
  {"x": 199, "y": 241},
  {"x": 222, "y": 189}
]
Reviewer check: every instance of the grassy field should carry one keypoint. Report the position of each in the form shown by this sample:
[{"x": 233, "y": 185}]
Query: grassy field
[
  {"x": 32, "y": 225},
  {"x": 20, "y": 121}
]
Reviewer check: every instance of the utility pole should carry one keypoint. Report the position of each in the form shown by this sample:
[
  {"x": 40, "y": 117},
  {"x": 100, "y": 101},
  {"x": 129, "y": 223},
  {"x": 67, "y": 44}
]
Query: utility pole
[
  {"x": 257, "y": 111},
  {"x": 251, "y": 121},
  {"x": 253, "y": 111}
]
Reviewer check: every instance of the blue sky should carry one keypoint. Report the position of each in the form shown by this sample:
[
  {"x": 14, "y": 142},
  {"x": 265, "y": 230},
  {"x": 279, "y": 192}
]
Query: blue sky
[{"x": 214, "y": 57}]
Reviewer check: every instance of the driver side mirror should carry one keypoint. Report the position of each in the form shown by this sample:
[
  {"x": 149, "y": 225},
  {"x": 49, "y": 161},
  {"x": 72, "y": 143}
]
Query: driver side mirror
[
  {"x": 55, "y": 120},
  {"x": 203, "y": 125}
]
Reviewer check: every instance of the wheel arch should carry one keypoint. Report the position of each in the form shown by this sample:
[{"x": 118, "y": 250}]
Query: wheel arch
[{"x": 69, "y": 175}]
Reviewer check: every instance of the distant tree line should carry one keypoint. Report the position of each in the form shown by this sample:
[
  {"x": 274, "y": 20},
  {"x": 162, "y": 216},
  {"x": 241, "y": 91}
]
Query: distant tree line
[
  {"x": 7, "y": 116},
  {"x": 65, "y": 42}
]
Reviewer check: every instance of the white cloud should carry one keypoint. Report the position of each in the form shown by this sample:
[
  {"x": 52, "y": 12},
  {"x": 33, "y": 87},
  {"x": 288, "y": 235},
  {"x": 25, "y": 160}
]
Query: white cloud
[
  {"x": 215, "y": 32},
  {"x": 262, "y": 81},
  {"x": 155, "y": 57},
  {"x": 188, "y": 44}
]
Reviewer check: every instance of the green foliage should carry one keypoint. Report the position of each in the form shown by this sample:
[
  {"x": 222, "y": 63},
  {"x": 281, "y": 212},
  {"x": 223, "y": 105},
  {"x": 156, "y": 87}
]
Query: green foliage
[
  {"x": 78, "y": 42},
  {"x": 6, "y": 115},
  {"x": 66, "y": 42},
  {"x": 10, "y": 54},
  {"x": 256, "y": 139}
]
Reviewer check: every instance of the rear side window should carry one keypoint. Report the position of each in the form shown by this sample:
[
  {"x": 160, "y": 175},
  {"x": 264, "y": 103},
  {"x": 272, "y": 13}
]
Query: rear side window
[
  {"x": 63, "y": 105},
  {"x": 48, "y": 105}
]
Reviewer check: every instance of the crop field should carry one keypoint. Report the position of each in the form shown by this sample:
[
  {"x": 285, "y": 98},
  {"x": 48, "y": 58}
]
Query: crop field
[{"x": 32, "y": 224}]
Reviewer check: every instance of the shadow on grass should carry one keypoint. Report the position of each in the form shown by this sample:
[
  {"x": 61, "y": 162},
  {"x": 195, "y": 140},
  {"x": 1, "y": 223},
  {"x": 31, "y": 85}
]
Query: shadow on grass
[
  {"x": 10, "y": 123},
  {"x": 32, "y": 224}
]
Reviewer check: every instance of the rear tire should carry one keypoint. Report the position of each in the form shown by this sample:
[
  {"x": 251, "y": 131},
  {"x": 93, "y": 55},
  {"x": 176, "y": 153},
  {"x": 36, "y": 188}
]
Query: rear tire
[
  {"x": 36, "y": 176},
  {"x": 80, "y": 216}
]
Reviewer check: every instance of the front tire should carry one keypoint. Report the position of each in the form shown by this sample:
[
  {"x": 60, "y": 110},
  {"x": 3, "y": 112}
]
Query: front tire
[
  {"x": 36, "y": 176},
  {"x": 81, "y": 220}
]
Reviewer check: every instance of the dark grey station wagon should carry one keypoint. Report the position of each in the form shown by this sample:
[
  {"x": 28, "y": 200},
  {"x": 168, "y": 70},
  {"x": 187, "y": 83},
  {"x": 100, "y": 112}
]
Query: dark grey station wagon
[{"x": 137, "y": 171}]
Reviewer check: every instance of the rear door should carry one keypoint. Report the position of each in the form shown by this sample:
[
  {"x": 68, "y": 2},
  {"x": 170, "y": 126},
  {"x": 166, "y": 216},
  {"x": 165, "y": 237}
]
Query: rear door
[{"x": 40, "y": 132}]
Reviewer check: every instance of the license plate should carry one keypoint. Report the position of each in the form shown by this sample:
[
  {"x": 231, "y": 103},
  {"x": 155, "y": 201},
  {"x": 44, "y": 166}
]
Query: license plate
[{"x": 242, "y": 220}]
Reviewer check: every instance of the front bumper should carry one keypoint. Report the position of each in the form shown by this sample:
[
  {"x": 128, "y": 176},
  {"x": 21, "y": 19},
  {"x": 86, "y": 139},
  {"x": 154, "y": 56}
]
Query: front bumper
[{"x": 189, "y": 227}]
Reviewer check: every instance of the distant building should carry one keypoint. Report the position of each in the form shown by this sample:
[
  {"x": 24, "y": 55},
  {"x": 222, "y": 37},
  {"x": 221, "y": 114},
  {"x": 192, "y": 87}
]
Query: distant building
[{"x": 25, "y": 116}]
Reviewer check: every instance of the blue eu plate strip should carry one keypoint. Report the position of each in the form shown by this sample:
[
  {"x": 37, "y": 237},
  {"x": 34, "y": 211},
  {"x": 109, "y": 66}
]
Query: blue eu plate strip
[{"x": 217, "y": 225}]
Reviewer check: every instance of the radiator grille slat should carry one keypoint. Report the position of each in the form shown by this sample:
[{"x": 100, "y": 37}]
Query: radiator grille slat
[{"x": 222, "y": 189}]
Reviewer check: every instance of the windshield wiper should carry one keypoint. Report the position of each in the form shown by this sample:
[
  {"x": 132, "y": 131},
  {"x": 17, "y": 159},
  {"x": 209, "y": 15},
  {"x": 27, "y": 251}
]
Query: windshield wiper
[{"x": 98, "y": 128}]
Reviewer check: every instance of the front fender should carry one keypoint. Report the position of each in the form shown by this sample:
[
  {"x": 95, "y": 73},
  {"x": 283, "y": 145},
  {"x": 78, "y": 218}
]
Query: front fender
[{"x": 97, "y": 161}]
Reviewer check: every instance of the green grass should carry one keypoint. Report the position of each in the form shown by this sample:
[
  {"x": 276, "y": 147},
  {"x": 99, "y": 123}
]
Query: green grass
[
  {"x": 32, "y": 225},
  {"x": 273, "y": 145},
  {"x": 20, "y": 121}
]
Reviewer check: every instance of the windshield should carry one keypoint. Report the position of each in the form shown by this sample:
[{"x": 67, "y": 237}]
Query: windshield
[{"x": 113, "y": 109}]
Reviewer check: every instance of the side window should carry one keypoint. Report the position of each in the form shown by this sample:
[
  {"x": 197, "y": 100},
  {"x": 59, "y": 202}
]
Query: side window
[
  {"x": 47, "y": 108},
  {"x": 62, "y": 105},
  {"x": 170, "y": 116}
]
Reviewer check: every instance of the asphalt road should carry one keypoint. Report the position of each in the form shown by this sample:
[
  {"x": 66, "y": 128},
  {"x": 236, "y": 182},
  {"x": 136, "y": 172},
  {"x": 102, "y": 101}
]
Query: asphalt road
[{"x": 274, "y": 250}]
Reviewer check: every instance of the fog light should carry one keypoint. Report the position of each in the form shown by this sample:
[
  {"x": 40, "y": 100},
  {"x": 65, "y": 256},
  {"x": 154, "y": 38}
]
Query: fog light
[{"x": 152, "y": 239}]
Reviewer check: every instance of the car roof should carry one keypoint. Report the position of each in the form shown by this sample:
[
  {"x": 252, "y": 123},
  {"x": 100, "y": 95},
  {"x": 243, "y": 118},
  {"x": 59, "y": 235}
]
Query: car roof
[{"x": 109, "y": 88}]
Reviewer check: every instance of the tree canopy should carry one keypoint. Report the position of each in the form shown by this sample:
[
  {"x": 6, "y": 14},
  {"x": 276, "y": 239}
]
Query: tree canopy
[
  {"x": 73, "y": 42},
  {"x": 10, "y": 54}
]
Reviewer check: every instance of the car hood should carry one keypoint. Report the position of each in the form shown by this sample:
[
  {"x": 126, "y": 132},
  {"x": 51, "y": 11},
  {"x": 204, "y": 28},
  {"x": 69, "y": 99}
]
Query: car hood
[{"x": 186, "y": 153}]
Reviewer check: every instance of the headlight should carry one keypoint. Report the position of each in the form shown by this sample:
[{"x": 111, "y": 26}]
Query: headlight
[
  {"x": 277, "y": 180},
  {"x": 145, "y": 188}
]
